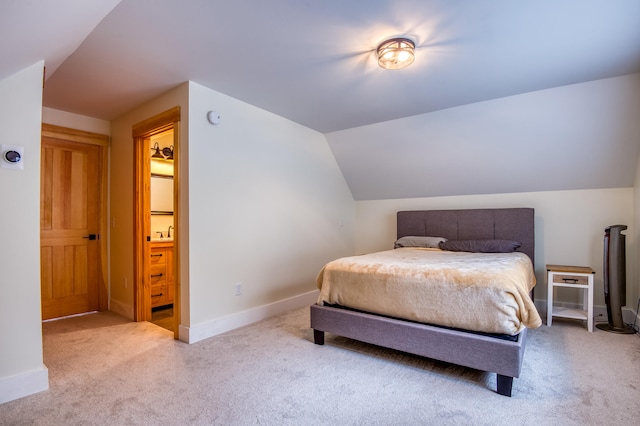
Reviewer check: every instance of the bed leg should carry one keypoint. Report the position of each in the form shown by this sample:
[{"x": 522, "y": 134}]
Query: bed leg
[
  {"x": 505, "y": 383},
  {"x": 318, "y": 337}
]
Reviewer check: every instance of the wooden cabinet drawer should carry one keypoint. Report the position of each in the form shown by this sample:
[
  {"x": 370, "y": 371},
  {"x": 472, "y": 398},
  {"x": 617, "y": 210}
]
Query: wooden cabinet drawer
[
  {"x": 158, "y": 275},
  {"x": 158, "y": 295},
  {"x": 158, "y": 256},
  {"x": 570, "y": 279},
  {"x": 161, "y": 272}
]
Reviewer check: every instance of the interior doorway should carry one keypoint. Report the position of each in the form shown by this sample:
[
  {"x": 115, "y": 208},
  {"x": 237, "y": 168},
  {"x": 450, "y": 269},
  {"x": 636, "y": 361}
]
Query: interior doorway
[
  {"x": 157, "y": 284},
  {"x": 162, "y": 228}
]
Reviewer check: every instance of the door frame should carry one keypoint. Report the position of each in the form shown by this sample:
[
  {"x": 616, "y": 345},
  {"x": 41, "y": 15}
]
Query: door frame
[
  {"x": 141, "y": 133},
  {"x": 66, "y": 134}
]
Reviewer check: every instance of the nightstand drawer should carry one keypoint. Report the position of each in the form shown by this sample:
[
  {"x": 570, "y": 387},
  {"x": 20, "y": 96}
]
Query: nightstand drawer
[{"x": 570, "y": 279}]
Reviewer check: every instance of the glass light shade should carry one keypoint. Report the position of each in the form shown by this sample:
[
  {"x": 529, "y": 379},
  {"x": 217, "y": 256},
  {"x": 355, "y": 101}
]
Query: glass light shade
[
  {"x": 396, "y": 53},
  {"x": 168, "y": 152}
]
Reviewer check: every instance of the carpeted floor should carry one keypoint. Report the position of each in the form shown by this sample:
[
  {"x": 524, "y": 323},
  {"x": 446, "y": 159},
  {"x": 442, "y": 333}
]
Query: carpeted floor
[{"x": 106, "y": 370}]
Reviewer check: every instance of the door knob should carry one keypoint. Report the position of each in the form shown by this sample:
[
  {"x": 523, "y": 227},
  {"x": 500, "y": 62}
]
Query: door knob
[{"x": 91, "y": 237}]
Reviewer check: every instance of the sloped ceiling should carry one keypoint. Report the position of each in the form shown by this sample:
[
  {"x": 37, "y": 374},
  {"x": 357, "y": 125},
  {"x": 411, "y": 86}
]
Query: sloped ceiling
[
  {"x": 582, "y": 136},
  {"x": 313, "y": 63},
  {"x": 51, "y": 30}
]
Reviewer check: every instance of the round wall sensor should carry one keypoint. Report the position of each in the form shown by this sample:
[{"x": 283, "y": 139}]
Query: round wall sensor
[
  {"x": 12, "y": 156},
  {"x": 213, "y": 117}
]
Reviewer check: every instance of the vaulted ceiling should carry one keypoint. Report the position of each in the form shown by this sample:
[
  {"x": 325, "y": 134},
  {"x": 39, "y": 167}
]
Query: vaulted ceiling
[{"x": 313, "y": 61}]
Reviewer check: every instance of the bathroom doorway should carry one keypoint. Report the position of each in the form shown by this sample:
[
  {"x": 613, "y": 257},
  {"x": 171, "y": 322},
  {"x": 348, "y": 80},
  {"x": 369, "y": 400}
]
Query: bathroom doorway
[
  {"x": 157, "y": 284},
  {"x": 162, "y": 228}
]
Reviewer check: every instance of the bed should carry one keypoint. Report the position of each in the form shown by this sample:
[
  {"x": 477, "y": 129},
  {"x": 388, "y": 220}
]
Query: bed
[{"x": 492, "y": 352}]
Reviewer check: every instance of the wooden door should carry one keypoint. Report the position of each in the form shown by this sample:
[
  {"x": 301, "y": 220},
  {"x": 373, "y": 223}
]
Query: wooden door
[{"x": 70, "y": 208}]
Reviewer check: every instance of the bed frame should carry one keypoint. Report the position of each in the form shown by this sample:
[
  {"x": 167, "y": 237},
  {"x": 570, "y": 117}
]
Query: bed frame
[{"x": 482, "y": 352}]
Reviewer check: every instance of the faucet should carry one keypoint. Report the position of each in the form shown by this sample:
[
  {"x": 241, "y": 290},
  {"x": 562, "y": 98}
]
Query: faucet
[
  {"x": 160, "y": 232},
  {"x": 169, "y": 231}
]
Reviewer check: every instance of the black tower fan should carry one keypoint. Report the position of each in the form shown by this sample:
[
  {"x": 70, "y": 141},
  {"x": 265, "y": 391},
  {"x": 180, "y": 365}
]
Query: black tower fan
[{"x": 615, "y": 279}]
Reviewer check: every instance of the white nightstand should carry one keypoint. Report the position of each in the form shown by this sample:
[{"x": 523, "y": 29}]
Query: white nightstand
[{"x": 580, "y": 277}]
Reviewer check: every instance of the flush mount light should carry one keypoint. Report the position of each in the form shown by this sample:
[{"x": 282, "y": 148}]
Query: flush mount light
[{"x": 396, "y": 53}]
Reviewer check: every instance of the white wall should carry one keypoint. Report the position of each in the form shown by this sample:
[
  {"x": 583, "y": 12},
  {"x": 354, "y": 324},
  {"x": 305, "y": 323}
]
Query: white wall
[
  {"x": 569, "y": 227},
  {"x": 268, "y": 206},
  {"x": 21, "y": 363}
]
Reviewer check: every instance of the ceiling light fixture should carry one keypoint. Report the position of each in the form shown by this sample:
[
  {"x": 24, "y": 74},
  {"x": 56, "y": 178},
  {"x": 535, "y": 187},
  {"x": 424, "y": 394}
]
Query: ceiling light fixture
[{"x": 396, "y": 53}]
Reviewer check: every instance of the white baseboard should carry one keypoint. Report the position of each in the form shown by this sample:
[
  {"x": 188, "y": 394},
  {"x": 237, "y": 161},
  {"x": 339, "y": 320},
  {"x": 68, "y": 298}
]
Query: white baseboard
[
  {"x": 24, "y": 384},
  {"x": 629, "y": 316},
  {"x": 121, "y": 309},
  {"x": 221, "y": 325}
]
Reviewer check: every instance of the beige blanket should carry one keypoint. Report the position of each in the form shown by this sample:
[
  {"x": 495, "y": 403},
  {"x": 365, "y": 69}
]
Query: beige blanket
[{"x": 486, "y": 292}]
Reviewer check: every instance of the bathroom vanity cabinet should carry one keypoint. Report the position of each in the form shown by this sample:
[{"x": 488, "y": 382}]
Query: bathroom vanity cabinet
[{"x": 161, "y": 269}]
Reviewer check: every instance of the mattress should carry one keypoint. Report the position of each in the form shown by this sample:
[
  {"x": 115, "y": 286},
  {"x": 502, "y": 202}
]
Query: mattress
[{"x": 484, "y": 292}]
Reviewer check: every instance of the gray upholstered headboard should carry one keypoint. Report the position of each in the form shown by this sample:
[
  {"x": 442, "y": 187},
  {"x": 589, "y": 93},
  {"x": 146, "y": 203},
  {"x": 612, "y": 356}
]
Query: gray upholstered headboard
[{"x": 475, "y": 224}]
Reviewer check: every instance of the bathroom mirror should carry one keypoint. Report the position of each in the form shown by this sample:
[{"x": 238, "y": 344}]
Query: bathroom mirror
[{"x": 161, "y": 194}]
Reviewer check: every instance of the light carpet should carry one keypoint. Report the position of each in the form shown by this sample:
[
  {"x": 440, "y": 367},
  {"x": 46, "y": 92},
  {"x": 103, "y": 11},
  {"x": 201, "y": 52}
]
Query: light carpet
[{"x": 106, "y": 370}]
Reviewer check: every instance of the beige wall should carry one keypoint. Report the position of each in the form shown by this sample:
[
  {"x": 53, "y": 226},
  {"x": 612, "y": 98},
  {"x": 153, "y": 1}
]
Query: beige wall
[
  {"x": 121, "y": 194},
  {"x": 21, "y": 362},
  {"x": 569, "y": 227},
  {"x": 75, "y": 121}
]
